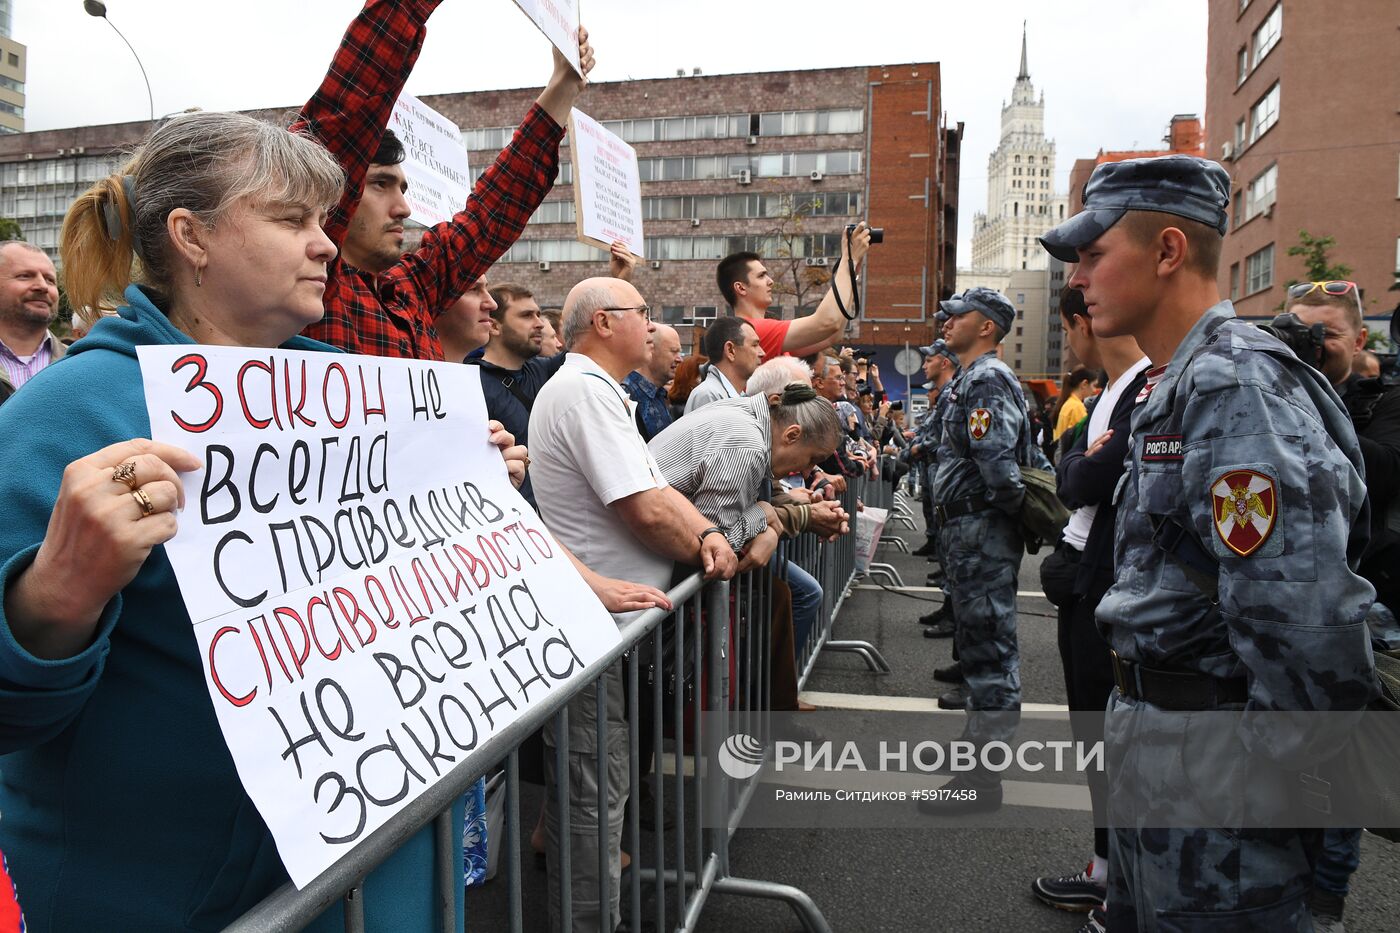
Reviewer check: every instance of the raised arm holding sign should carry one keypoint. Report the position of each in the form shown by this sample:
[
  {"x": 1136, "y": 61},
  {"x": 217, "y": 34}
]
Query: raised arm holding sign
[{"x": 378, "y": 300}]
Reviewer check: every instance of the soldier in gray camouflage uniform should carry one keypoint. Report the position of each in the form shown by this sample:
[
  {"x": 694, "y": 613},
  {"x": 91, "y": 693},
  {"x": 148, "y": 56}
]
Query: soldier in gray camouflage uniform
[
  {"x": 941, "y": 366},
  {"x": 978, "y": 493},
  {"x": 1240, "y": 523}
]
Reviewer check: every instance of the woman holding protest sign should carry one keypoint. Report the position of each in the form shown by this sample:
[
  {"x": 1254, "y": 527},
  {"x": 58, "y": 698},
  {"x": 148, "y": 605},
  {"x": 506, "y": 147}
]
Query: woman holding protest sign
[{"x": 122, "y": 806}]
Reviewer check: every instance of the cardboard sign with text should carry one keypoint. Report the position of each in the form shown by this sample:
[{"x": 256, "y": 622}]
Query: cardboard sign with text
[
  {"x": 435, "y": 161},
  {"x": 558, "y": 20},
  {"x": 607, "y": 185},
  {"x": 371, "y": 597}
]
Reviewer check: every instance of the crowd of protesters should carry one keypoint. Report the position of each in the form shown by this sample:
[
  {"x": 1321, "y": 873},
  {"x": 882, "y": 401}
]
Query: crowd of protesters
[{"x": 646, "y": 462}]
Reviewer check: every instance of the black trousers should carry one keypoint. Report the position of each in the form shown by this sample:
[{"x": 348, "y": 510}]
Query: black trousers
[{"x": 1085, "y": 659}]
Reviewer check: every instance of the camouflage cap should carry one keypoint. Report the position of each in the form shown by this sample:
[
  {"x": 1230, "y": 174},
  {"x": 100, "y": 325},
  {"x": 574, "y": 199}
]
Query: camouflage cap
[
  {"x": 989, "y": 303},
  {"x": 1196, "y": 189},
  {"x": 940, "y": 348}
]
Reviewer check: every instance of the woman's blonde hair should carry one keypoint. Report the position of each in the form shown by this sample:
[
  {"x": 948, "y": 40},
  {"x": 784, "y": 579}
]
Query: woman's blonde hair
[{"x": 205, "y": 162}]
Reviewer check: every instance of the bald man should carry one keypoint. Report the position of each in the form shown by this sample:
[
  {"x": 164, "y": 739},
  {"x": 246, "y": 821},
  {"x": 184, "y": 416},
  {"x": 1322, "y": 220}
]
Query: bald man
[
  {"x": 647, "y": 384},
  {"x": 603, "y": 497}
]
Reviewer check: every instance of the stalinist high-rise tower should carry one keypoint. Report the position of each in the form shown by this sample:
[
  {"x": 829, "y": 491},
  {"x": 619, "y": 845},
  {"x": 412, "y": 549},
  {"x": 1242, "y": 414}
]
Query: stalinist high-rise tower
[{"x": 1021, "y": 198}]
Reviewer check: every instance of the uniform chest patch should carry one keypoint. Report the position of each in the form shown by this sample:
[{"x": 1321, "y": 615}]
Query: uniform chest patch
[
  {"x": 1245, "y": 510},
  {"x": 1162, "y": 448},
  {"x": 979, "y": 422}
]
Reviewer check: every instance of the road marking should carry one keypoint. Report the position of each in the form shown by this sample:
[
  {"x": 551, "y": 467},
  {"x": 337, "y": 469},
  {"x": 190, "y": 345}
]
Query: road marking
[
  {"x": 897, "y": 704},
  {"x": 932, "y": 589}
]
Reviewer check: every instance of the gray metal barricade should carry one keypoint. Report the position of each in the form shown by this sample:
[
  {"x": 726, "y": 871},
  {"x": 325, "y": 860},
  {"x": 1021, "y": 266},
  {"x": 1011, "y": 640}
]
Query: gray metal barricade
[{"x": 722, "y": 667}]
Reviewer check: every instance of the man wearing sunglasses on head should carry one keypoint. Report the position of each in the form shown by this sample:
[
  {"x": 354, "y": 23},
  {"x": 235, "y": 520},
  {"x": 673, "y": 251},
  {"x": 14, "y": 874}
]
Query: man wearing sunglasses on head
[{"x": 1375, "y": 413}]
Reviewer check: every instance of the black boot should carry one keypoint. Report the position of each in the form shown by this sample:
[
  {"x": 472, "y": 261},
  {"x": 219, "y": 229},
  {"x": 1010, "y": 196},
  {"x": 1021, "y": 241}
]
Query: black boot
[
  {"x": 952, "y": 674},
  {"x": 926, "y": 550}
]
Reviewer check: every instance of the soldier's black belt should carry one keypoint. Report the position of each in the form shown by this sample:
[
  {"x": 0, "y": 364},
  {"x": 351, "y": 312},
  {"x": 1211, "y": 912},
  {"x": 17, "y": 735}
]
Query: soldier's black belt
[
  {"x": 1176, "y": 690},
  {"x": 960, "y": 507}
]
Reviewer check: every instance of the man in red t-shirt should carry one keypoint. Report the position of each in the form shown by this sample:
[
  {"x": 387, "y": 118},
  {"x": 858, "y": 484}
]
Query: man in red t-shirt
[{"x": 748, "y": 287}]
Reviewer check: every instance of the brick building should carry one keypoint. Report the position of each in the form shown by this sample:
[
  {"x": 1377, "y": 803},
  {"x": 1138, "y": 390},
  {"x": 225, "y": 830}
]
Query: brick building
[
  {"x": 779, "y": 162},
  {"x": 776, "y": 162},
  {"x": 1185, "y": 136},
  {"x": 1301, "y": 109}
]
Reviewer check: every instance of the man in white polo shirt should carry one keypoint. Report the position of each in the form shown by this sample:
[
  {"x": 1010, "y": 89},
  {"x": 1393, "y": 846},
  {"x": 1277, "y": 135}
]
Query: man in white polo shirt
[{"x": 602, "y": 495}]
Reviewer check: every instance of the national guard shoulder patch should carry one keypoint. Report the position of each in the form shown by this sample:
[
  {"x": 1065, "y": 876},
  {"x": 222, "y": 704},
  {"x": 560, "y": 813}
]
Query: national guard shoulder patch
[
  {"x": 979, "y": 422},
  {"x": 1245, "y": 509}
]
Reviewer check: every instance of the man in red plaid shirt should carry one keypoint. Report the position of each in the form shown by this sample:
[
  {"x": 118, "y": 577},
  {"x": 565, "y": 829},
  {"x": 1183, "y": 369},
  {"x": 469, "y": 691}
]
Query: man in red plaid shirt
[{"x": 379, "y": 300}]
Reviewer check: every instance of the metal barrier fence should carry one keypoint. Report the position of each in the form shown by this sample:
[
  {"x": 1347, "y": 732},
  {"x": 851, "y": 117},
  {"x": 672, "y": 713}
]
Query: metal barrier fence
[
  {"x": 720, "y": 638},
  {"x": 711, "y": 654}
]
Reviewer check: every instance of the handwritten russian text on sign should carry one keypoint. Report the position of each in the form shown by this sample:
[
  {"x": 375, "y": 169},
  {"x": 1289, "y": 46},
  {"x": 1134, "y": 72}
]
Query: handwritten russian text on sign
[
  {"x": 607, "y": 185},
  {"x": 371, "y": 597},
  {"x": 558, "y": 20},
  {"x": 435, "y": 161}
]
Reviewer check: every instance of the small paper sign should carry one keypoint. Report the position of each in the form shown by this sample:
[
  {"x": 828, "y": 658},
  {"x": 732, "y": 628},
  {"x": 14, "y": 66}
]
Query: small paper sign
[
  {"x": 435, "y": 161},
  {"x": 607, "y": 185},
  {"x": 558, "y": 20}
]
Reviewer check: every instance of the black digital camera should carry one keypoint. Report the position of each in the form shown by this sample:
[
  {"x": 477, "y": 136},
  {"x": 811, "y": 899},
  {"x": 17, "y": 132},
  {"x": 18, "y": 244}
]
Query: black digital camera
[
  {"x": 877, "y": 234},
  {"x": 1306, "y": 341}
]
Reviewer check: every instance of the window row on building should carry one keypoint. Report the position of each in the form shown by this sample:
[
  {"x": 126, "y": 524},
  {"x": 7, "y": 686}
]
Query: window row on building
[
  {"x": 1258, "y": 273},
  {"x": 710, "y": 126},
  {"x": 711, "y": 248},
  {"x": 1261, "y": 118},
  {"x": 767, "y": 165},
  {"x": 721, "y": 207},
  {"x": 1260, "y": 44},
  {"x": 744, "y": 167},
  {"x": 57, "y": 171}
]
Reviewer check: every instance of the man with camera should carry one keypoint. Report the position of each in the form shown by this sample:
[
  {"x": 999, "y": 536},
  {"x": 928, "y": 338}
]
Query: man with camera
[
  {"x": 747, "y": 286},
  {"x": 1240, "y": 523},
  {"x": 1328, "y": 333}
]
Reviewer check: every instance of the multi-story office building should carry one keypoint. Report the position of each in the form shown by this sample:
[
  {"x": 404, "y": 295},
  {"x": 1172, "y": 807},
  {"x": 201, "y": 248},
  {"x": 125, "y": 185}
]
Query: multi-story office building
[
  {"x": 778, "y": 163},
  {"x": 1301, "y": 109},
  {"x": 12, "y": 65},
  {"x": 1022, "y": 203},
  {"x": 775, "y": 162}
]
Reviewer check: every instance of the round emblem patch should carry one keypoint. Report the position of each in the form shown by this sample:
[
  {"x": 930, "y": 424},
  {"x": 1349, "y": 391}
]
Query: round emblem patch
[
  {"x": 1246, "y": 505},
  {"x": 978, "y": 423}
]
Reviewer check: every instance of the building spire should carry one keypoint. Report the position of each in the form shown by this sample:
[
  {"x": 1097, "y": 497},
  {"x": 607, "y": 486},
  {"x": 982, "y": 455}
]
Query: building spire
[{"x": 1025, "y": 70}]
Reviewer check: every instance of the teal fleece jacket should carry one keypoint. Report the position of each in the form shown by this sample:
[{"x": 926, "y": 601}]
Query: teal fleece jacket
[{"x": 120, "y": 808}]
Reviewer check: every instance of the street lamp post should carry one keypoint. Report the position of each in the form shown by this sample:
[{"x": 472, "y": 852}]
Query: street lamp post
[{"x": 99, "y": 9}]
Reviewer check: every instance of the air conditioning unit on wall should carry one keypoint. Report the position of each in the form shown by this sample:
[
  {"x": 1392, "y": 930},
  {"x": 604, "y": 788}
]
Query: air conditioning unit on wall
[{"x": 544, "y": 267}]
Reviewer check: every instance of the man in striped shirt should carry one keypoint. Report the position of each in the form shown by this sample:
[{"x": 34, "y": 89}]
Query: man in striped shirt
[{"x": 28, "y": 305}]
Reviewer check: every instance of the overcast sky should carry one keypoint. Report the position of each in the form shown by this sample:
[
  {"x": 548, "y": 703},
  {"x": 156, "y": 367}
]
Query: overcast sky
[{"x": 1113, "y": 73}]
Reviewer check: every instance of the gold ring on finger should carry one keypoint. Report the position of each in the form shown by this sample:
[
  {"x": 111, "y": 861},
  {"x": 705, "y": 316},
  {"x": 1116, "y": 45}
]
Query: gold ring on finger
[
  {"x": 148, "y": 508},
  {"x": 126, "y": 475}
]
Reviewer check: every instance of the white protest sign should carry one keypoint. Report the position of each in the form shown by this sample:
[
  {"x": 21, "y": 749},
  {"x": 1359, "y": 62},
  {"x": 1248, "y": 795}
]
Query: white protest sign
[
  {"x": 435, "y": 161},
  {"x": 607, "y": 185},
  {"x": 558, "y": 20},
  {"x": 371, "y": 597}
]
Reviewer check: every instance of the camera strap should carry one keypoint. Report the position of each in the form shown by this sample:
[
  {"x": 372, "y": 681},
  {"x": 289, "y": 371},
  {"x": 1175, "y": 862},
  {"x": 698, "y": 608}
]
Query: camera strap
[{"x": 855, "y": 292}]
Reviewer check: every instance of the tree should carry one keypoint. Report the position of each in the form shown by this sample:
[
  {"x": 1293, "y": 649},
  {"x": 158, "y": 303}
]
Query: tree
[
  {"x": 1316, "y": 260},
  {"x": 9, "y": 229},
  {"x": 791, "y": 274}
]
